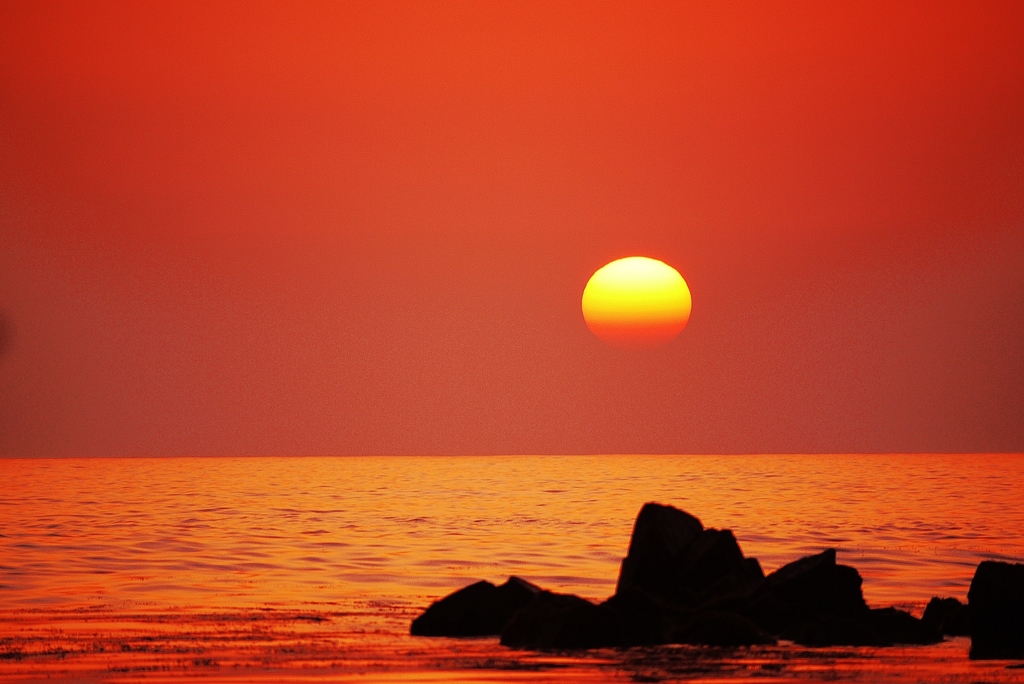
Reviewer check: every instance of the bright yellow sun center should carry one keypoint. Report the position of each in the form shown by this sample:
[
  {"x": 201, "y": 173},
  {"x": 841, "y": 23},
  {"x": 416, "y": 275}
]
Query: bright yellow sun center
[{"x": 636, "y": 303}]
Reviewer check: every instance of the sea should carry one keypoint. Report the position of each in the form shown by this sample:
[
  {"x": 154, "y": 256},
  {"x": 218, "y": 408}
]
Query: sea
[{"x": 289, "y": 569}]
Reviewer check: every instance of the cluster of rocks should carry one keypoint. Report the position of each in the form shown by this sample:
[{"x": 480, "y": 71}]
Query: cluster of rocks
[{"x": 683, "y": 584}]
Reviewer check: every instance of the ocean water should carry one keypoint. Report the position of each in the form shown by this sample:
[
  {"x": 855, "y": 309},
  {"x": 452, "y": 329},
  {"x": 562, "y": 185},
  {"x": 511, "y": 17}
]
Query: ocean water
[{"x": 310, "y": 569}]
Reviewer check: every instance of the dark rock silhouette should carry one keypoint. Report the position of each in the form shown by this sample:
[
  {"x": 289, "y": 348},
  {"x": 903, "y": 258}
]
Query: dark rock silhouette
[
  {"x": 673, "y": 558},
  {"x": 836, "y": 630},
  {"x": 562, "y": 621},
  {"x": 681, "y": 583},
  {"x": 816, "y": 602},
  {"x": 895, "y": 626},
  {"x": 643, "y": 619},
  {"x": 812, "y": 588},
  {"x": 714, "y": 628},
  {"x": 878, "y": 627},
  {"x": 996, "y": 601},
  {"x": 673, "y": 570},
  {"x": 948, "y": 616},
  {"x": 481, "y": 609}
]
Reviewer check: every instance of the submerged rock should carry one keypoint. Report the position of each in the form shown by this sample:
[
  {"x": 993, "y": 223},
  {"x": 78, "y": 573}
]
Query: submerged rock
[
  {"x": 948, "y": 616},
  {"x": 481, "y": 609},
  {"x": 996, "y": 601}
]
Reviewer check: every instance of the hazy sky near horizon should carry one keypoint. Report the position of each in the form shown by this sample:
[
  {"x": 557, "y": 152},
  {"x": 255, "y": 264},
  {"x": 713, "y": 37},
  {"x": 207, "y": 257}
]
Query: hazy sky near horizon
[{"x": 361, "y": 228}]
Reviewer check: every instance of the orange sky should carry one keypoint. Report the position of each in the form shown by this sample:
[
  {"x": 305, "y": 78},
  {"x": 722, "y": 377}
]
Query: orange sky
[{"x": 241, "y": 228}]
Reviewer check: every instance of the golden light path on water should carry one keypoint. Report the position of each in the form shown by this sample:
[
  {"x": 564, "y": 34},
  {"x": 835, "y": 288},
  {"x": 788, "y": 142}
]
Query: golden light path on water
[{"x": 312, "y": 568}]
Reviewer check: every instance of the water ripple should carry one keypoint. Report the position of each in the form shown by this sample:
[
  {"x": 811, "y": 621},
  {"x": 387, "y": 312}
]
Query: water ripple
[{"x": 250, "y": 532}]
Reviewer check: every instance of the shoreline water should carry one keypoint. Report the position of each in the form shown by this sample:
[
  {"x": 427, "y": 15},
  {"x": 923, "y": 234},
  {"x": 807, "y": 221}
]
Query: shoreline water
[{"x": 333, "y": 646}]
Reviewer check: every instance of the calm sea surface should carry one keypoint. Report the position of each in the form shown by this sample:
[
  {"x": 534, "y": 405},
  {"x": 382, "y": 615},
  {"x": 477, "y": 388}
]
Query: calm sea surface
[{"x": 311, "y": 568}]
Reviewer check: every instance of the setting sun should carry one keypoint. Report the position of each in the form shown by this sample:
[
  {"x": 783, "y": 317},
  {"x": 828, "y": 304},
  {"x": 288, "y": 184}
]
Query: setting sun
[{"x": 636, "y": 303}]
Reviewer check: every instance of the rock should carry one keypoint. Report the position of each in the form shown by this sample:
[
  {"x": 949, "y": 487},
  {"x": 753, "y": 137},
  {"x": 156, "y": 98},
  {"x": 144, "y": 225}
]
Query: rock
[
  {"x": 562, "y": 621},
  {"x": 948, "y": 616},
  {"x": 876, "y": 627},
  {"x": 661, "y": 534},
  {"x": 674, "y": 559},
  {"x": 643, "y": 619},
  {"x": 714, "y": 628},
  {"x": 682, "y": 583},
  {"x": 996, "y": 601},
  {"x": 896, "y": 626},
  {"x": 837, "y": 630},
  {"x": 481, "y": 609},
  {"x": 814, "y": 587}
]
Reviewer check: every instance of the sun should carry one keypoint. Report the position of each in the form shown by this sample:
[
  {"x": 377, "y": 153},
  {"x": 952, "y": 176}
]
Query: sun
[{"x": 636, "y": 303}]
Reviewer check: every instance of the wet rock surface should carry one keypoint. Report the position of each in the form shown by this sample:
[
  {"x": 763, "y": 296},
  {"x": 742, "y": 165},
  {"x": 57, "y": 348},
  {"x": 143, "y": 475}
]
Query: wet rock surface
[
  {"x": 996, "y": 602},
  {"x": 681, "y": 583}
]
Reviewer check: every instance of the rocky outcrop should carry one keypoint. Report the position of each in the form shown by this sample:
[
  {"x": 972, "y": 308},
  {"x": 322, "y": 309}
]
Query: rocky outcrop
[
  {"x": 815, "y": 601},
  {"x": 481, "y": 609},
  {"x": 814, "y": 588},
  {"x": 674, "y": 559},
  {"x": 562, "y": 621},
  {"x": 716, "y": 628},
  {"x": 894, "y": 626},
  {"x": 645, "y": 620},
  {"x": 685, "y": 584},
  {"x": 947, "y": 616},
  {"x": 996, "y": 602}
]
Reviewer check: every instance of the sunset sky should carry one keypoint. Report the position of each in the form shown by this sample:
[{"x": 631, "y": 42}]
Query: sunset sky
[{"x": 365, "y": 228}]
